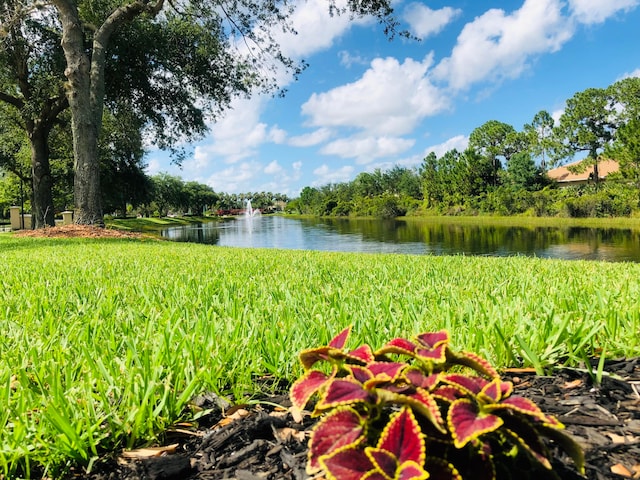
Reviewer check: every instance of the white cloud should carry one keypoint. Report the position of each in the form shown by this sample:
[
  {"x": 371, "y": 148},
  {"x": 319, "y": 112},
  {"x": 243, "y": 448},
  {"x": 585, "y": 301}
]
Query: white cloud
[
  {"x": 348, "y": 60},
  {"x": 310, "y": 139},
  {"x": 367, "y": 149},
  {"x": 235, "y": 178},
  {"x": 272, "y": 168},
  {"x": 633, "y": 74},
  {"x": 597, "y": 11},
  {"x": 325, "y": 175},
  {"x": 154, "y": 166},
  {"x": 318, "y": 29},
  {"x": 459, "y": 142},
  {"x": 389, "y": 99},
  {"x": 497, "y": 45},
  {"x": 425, "y": 22}
]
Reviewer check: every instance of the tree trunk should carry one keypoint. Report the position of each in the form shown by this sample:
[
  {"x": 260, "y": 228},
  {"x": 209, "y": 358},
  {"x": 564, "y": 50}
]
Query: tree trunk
[
  {"x": 42, "y": 199},
  {"x": 86, "y": 116},
  {"x": 85, "y": 72}
]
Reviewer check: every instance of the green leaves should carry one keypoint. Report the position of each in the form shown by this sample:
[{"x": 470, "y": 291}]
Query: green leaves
[{"x": 385, "y": 410}]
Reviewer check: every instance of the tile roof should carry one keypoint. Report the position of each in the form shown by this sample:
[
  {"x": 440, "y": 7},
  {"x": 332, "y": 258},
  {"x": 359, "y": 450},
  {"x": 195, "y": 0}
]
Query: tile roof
[{"x": 563, "y": 175}]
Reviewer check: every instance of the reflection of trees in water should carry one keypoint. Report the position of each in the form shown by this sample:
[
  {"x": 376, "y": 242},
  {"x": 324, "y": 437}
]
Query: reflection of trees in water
[
  {"x": 442, "y": 238},
  {"x": 609, "y": 243},
  {"x": 193, "y": 234}
]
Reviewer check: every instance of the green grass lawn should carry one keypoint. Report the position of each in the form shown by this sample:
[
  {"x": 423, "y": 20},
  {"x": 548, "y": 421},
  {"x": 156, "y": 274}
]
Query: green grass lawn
[{"x": 105, "y": 341}]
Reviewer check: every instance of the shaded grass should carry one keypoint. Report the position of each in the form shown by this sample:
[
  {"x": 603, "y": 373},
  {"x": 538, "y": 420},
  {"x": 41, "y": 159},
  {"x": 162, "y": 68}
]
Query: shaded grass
[{"x": 105, "y": 341}]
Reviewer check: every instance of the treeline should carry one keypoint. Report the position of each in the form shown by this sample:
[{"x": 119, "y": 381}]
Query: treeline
[
  {"x": 130, "y": 192},
  {"x": 504, "y": 170}
]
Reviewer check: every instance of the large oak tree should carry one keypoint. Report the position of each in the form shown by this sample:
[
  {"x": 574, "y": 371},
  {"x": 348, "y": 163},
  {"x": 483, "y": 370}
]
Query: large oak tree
[{"x": 207, "y": 71}]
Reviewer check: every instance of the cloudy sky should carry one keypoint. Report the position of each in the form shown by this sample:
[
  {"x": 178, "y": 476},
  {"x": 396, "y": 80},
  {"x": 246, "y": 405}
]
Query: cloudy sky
[{"x": 366, "y": 102}]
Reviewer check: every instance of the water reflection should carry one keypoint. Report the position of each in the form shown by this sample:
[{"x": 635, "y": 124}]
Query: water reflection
[{"x": 400, "y": 236}]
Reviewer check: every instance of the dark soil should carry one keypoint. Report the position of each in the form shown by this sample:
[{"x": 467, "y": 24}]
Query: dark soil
[{"x": 265, "y": 442}]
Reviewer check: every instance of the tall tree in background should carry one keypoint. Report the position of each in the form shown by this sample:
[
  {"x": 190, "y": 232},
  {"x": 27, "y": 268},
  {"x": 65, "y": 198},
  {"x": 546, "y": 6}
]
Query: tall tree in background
[
  {"x": 209, "y": 73},
  {"x": 539, "y": 134},
  {"x": 588, "y": 124},
  {"x": 31, "y": 86},
  {"x": 495, "y": 139}
]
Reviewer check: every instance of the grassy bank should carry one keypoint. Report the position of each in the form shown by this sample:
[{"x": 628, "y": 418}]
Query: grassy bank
[{"x": 105, "y": 341}]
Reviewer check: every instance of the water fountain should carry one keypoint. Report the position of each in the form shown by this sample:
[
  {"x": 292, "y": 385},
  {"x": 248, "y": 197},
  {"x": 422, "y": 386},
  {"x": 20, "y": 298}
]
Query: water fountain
[{"x": 250, "y": 212}]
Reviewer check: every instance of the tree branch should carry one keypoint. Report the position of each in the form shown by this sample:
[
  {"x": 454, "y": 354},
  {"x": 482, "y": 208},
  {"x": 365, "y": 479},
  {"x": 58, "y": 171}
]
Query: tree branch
[{"x": 11, "y": 100}]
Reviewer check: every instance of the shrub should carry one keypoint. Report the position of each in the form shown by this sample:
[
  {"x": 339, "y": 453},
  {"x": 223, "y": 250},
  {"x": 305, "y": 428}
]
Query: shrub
[{"x": 410, "y": 411}]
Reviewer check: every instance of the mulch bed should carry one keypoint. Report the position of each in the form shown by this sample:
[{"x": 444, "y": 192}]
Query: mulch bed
[
  {"x": 265, "y": 442},
  {"x": 78, "y": 231}
]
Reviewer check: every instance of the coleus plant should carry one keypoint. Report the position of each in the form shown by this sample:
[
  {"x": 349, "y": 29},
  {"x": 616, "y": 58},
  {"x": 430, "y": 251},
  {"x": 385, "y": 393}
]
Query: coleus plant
[{"x": 416, "y": 409}]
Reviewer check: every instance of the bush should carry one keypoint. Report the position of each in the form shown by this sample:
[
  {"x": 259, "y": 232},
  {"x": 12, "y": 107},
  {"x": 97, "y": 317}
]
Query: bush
[{"x": 410, "y": 410}]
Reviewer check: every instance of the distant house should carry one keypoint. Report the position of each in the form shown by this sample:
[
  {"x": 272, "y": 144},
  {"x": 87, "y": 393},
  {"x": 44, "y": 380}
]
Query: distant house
[{"x": 564, "y": 177}]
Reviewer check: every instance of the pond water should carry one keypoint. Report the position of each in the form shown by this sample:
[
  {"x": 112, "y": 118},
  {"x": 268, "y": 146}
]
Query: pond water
[{"x": 401, "y": 236}]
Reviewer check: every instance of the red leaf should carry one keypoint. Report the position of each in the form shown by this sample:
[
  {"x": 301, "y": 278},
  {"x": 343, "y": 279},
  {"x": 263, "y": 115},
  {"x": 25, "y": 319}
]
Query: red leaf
[
  {"x": 384, "y": 461},
  {"x": 337, "y": 430},
  {"x": 386, "y": 370},
  {"x": 398, "y": 345},
  {"x": 436, "y": 354},
  {"x": 345, "y": 391},
  {"x": 304, "y": 388},
  {"x": 418, "y": 379},
  {"x": 403, "y": 438},
  {"x": 466, "y": 423},
  {"x": 448, "y": 393},
  {"x": 467, "y": 384},
  {"x": 424, "y": 403},
  {"x": 311, "y": 356},
  {"x": 433, "y": 339},
  {"x": 473, "y": 361},
  {"x": 341, "y": 339},
  {"x": 363, "y": 353},
  {"x": 497, "y": 390},
  {"x": 346, "y": 464},
  {"x": 412, "y": 471},
  {"x": 361, "y": 374},
  {"x": 521, "y": 405}
]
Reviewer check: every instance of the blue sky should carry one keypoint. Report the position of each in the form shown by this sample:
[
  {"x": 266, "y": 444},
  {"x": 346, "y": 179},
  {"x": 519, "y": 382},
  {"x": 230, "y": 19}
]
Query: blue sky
[{"x": 366, "y": 102}]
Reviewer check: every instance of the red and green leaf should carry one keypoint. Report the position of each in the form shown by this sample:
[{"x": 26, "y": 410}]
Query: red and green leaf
[
  {"x": 341, "y": 428},
  {"x": 362, "y": 354},
  {"x": 424, "y": 403},
  {"x": 466, "y": 422},
  {"x": 520, "y": 405},
  {"x": 306, "y": 386},
  {"x": 340, "y": 340},
  {"x": 387, "y": 371},
  {"x": 496, "y": 390},
  {"x": 433, "y": 339},
  {"x": 403, "y": 438},
  {"x": 435, "y": 355},
  {"x": 473, "y": 361},
  {"x": 349, "y": 463},
  {"x": 400, "y": 346},
  {"x": 345, "y": 391},
  {"x": 466, "y": 384},
  {"x": 417, "y": 378},
  {"x": 311, "y": 356}
]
